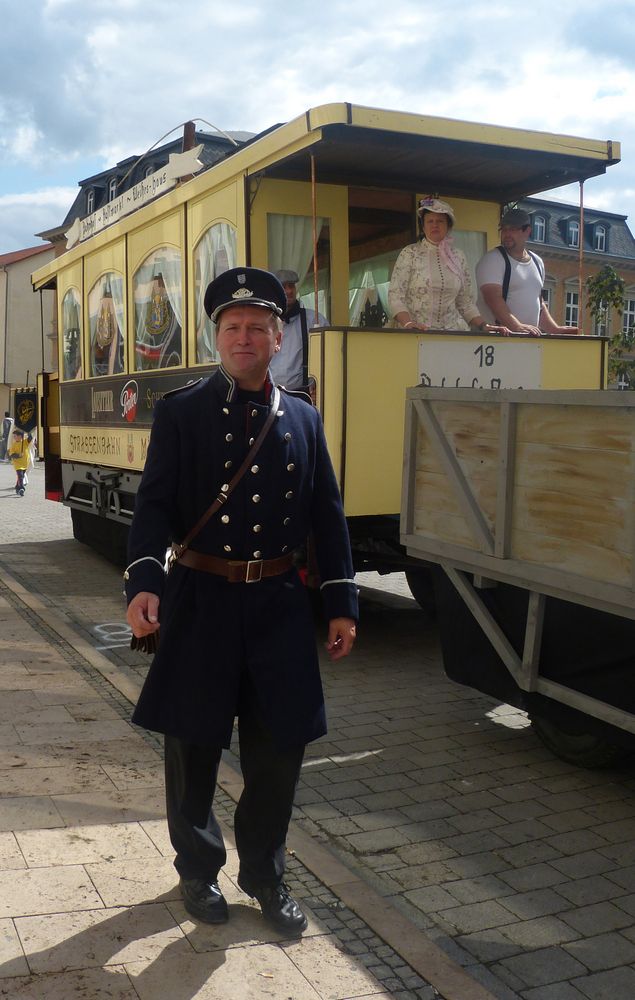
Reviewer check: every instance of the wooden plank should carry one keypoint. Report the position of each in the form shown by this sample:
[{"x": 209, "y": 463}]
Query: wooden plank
[
  {"x": 490, "y": 626},
  {"x": 615, "y": 599},
  {"x": 573, "y": 471},
  {"x": 469, "y": 506},
  {"x": 566, "y": 516},
  {"x": 505, "y": 480},
  {"x": 578, "y": 557},
  {"x": 408, "y": 480},
  {"x": 576, "y": 427},
  {"x": 533, "y": 639}
]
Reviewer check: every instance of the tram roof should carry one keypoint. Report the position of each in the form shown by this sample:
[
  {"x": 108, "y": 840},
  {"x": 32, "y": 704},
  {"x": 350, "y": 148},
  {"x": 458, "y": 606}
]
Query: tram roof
[{"x": 368, "y": 147}]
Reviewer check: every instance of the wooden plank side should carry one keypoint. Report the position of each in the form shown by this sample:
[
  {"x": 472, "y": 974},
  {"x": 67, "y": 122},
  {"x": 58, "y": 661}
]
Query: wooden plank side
[
  {"x": 575, "y": 517},
  {"x": 605, "y": 429},
  {"x": 432, "y": 489},
  {"x": 579, "y": 557},
  {"x": 591, "y": 472}
]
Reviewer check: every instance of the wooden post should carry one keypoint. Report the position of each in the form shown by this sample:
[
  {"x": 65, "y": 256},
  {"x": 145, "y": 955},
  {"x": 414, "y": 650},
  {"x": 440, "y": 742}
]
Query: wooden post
[
  {"x": 581, "y": 262},
  {"x": 315, "y": 238}
]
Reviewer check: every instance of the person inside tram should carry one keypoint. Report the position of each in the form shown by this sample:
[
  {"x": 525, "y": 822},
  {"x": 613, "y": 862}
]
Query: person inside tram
[{"x": 431, "y": 287}]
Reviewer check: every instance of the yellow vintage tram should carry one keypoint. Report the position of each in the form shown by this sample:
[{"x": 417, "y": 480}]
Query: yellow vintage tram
[{"x": 333, "y": 195}]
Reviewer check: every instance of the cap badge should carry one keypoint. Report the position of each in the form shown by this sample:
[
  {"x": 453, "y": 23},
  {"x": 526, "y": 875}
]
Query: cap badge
[
  {"x": 241, "y": 278},
  {"x": 242, "y": 293}
]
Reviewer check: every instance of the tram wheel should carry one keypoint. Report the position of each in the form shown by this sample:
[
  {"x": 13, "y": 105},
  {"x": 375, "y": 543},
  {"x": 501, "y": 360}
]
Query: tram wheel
[{"x": 567, "y": 740}]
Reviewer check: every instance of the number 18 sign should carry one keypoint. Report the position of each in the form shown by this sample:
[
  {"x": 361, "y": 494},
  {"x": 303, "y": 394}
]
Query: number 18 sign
[{"x": 470, "y": 363}]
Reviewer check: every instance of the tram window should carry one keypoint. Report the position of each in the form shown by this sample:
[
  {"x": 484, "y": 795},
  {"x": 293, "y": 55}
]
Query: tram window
[
  {"x": 215, "y": 252},
  {"x": 158, "y": 311},
  {"x": 106, "y": 319},
  {"x": 71, "y": 335},
  {"x": 290, "y": 245}
]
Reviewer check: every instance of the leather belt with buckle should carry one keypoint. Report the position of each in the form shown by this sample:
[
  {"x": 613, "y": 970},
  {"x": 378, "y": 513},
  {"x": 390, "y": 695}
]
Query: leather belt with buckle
[{"x": 234, "y": 570}]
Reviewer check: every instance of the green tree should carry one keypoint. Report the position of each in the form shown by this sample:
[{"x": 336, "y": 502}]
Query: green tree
[{"x": 605, "y": 291}]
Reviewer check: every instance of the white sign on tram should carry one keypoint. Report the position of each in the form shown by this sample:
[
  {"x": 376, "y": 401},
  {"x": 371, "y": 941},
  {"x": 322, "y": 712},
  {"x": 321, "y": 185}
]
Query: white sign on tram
[{"x": 471, "y": 363}]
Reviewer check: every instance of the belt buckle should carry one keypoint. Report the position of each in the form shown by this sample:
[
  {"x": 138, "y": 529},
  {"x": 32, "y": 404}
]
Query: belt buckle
[{"x": 256, "y": 571}]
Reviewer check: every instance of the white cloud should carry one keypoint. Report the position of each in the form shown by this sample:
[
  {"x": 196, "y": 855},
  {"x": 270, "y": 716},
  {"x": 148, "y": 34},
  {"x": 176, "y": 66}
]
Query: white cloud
[{"x": 105, "y": 79}]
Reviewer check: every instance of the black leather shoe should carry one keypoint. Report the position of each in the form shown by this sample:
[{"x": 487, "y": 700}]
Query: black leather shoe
[
  {"x": 279, "y": 908},
  {"x": 204, "y": 900}
]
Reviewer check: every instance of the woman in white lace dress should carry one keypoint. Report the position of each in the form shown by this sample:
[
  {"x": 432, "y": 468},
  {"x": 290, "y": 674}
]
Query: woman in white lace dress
[{"x": 431, "y": 288}]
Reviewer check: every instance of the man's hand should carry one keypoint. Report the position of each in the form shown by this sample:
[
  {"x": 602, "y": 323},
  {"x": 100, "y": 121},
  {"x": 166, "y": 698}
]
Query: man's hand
[
  {"x": 143, "y": 614},
  {"x": 341, "y": 636}
]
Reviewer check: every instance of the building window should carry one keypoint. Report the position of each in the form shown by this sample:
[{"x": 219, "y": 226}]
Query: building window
[
  {"x": 90, "y": 202},
  {"x": 601, "y": 325},
  {"x": 599, "y": 239},
  {"x": 148, "y": 170},
  {"x": 571, "y": 309},
  {"x": 112, "y": 189},
  {"x": 547, "y": 296},
  {"x": 573, "y": 236},
  {"x": 539, "y": 229},
  {"x": 628, "y": 316}
]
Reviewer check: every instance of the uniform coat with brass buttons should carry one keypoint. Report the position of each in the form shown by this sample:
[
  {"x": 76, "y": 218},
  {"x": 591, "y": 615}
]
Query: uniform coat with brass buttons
[{"x": 212, "y": 630}]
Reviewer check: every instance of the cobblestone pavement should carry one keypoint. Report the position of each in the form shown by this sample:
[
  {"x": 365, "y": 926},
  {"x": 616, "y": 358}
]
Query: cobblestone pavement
[{"x": 519, "y": 866}]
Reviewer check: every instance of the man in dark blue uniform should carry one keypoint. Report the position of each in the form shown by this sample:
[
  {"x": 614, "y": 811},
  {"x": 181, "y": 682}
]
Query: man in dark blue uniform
[{"x": 237, "y": 636}]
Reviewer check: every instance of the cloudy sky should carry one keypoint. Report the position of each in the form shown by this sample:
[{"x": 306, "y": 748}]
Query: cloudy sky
[{"x": 84, "y": 83}]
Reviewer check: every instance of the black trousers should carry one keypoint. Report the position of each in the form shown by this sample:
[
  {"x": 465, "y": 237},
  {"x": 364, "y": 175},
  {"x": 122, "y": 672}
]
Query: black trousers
[{"x": 262, "y": 815}]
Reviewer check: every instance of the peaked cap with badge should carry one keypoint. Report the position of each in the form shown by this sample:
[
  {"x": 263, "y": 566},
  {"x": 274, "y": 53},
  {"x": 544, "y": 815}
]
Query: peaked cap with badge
[{"x": 244, "y": 286}]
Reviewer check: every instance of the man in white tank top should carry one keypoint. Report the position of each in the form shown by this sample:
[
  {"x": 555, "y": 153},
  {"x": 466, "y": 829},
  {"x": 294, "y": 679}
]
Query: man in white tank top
[{"x": 515, "y": 301}]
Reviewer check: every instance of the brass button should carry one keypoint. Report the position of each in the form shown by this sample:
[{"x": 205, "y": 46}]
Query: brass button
[
  {"x": 289, "y": 494},
  {"x": 287, "y": 436},
  {"x": 280, "y": 413},
  {"x": 255, "y": 469},
  {"x": 257, "y": 528},
  {"x": 227, "y": 548},
  {"x": 225, "y": 411},
  {"x": 257, "y": 554},
  {"x": 228, "y": 464},
  {"x": 225, "y": 518},
  {"x": 251, "y": 441},
  {"x": 254, "y": 413},
  {"x": 290, "y": 467},
  {"x": 224, "y": 487},
  {"x": 229, "y": 437},
  {"x": 284, "y": 548},
  {"x": 256, "y": 498},
  {"x": 286, "y": 521}
]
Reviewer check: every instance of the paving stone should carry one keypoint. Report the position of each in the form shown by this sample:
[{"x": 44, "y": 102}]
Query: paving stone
[
  {"x": 605, "y": 951},
  {"x": 28, "y": 812},
  {"x": 612, "y": 985},
  {"x": 596, "y": 919},
  {"x": 477, "y": 916},
  {"x": 488, "y": 945},
  {"x": 112, "y": 983},
  {"x": 555, "y": 991},
  {"x": 377, "y": 840},
  {"x": 543, "y": 966},
  {"x": 537, "y": 903},
  {"x": 584, "y": 865},
  {"x": 478, "y": 889},
  {"x": 540, "y": 932},
  {"x": 46, "y": 890},
  {"x": 540, "y": 876},
  {"x": 594, "y": 889},
  {"x": 12, "y": 959},
  {"x": 83, "y": 844}
]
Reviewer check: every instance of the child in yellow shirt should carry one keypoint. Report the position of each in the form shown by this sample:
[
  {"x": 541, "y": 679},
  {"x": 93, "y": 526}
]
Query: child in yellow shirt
[{"x": 20, "y": 454}]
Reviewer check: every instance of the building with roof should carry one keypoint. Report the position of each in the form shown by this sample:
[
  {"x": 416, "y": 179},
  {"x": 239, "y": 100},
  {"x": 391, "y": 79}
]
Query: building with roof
[
  {"x": 606, "y": 239},
  {"x": 28, "y": 336},
  {"x": 100, "y": 189}
]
